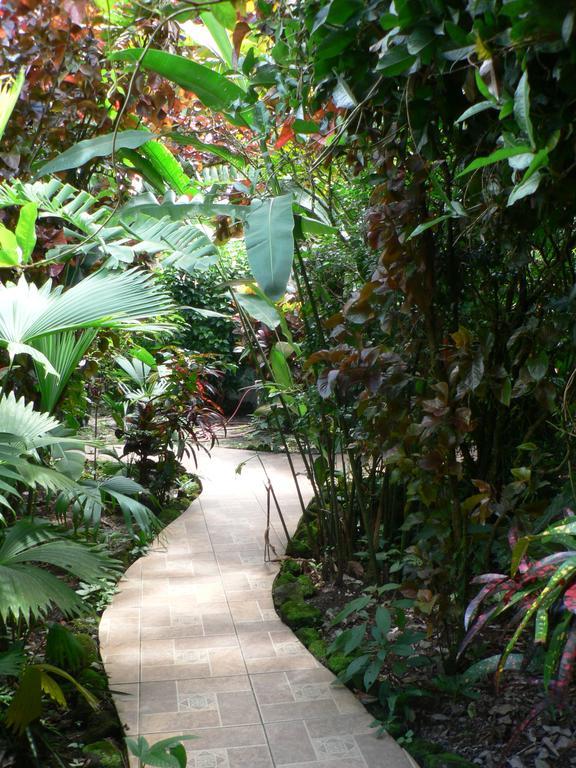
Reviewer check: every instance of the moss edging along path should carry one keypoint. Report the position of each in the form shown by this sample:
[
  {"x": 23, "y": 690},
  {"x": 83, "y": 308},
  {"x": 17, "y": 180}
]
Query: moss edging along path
[{"x": 192, "y": 643}]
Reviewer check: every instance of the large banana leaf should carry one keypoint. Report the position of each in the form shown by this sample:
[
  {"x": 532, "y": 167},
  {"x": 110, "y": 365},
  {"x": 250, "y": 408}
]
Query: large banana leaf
[
  {"x": 270, "y": 243},
  {"x": 213, "y": 89},
  {"x": 99, "y": 146},
  {"x": 28, "y": 591}
]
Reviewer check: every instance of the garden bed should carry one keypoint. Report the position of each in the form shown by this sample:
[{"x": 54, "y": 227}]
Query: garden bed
[{"x": 450, "y": 723}]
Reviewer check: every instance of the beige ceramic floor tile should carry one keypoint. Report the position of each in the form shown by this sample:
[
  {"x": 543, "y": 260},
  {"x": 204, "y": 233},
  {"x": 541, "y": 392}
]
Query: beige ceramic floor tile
[{"x": 192, "y": 643}]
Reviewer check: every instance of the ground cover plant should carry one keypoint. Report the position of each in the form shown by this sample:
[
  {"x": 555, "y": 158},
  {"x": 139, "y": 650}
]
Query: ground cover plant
[{"x": 397, "y": 180}]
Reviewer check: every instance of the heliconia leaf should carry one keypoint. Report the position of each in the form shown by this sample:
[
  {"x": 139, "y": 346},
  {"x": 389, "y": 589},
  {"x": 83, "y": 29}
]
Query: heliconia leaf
[
  {"x": 213, "y": 89},
  {"x": 570, "y": 599}
]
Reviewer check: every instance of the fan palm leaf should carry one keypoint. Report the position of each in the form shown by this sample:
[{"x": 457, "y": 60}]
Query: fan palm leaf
[
  {"x": 102, "y": 300},
  {"x": 28, "y": 591},
  {"x": 64, "y": 350}
]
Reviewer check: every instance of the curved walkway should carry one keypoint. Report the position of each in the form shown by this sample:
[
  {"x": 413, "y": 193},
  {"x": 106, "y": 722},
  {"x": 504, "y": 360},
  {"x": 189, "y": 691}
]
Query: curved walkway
[{"x": 192, "y": 643}]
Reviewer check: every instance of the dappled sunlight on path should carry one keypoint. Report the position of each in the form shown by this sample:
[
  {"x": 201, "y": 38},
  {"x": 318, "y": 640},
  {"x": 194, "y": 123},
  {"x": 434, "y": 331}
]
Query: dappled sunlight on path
[{"x": 192, "y": 643}]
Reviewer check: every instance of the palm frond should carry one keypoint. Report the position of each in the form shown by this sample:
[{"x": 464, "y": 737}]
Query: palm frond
[
  {"x": 28, "y": 591},
  {"x": 185, "y": 245},
  {"x": 101, "y": 300},
  {"x": 64, "y": 350}
]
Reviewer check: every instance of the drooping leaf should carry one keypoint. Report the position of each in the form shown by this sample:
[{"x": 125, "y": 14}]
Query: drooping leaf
[
  {"x": 270, "y": 243},
  {"x": 213, "y": 89},
  {"x": 358, "y": 604},
  {"x": 88, "y": 149},
  {"x": 260, "y": 308},
  {"x": 495, "y": 157},
  {"x": 522, "y": 108}
]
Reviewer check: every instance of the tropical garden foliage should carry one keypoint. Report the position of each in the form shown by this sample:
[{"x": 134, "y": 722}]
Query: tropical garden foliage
[{"x": 361, "y": 210}]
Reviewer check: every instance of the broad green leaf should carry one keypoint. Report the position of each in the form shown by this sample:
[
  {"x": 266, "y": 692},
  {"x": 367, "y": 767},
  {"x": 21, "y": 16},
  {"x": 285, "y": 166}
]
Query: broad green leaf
[
  {"x": 280, "y": 369},
  {"x": 307, "y": 226},
  {"x": 358, "y": 604},
  {"x": 270, "y": 243},
  {"x": 9, "y": 92},
  {"x": 225, "y": 13},
  {"x": 371, "y": 674},
  {"x": 10, "y": 251},
  {"x": 396, "y": 62},
  {"x": 132, "y": 159},
  {"x": 220, "y": 37},
  {"x": 26, "y": 230},
  {"x": 214, "y": 149},
  {"x": 305, "y": 126},
  {"x": 495, "y": 157},
  {"x": 475, "y": 109},
  {"x": 429, "y": 224},
  {"x": 213, "y": 89},
  {"x": 259, "y": 308},
  {"x": 537, "y": 365},
  {"x": 420, "y": 39},
  {"x": 354, "y": 638},
  {"x": 99, "y": 146},
  {"x": 482, "y": 87},
  {"x": 522, "y": 108},
  {"x": 383, "y": 620},
  {"x": 524, "y": 188},
  {"x": 168, "y": 167}
]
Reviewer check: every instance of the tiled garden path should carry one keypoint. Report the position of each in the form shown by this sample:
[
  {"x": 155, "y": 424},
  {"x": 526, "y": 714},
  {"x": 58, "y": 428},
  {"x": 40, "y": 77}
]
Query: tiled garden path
[{"x": 194, "y": 644}]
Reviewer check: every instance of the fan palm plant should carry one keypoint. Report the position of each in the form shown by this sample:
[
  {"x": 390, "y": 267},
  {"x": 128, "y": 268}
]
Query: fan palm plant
[
  {"x": 27, "y": 590},
  {"x": 24, "y": 432},
  {"x": 102, "y": 300}
]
